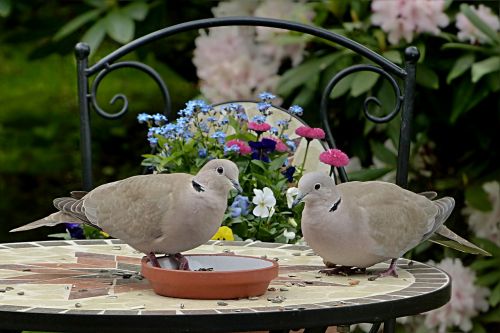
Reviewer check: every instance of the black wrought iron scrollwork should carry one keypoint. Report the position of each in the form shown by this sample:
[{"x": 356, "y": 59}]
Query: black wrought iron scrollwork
[{"x": 126, "y": 64}]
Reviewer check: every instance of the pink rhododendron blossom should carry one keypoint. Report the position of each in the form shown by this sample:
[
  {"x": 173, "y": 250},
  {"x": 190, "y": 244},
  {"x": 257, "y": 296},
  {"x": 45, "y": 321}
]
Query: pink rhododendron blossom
[
  {"x": 254, "y": 126},
  {"x": 244, "y": 148},
  {"x": 233, "y": 63},
  {"x": 486, "y": 224},
  {"x": 310, "y": 133},
  {"x": 468, "y": 32},
  {"x": 466, "y": 300},
  {"x": 404, "y": 18},
  {"x": 334, "y": 157},
  {"x": 280, "y": 146}
]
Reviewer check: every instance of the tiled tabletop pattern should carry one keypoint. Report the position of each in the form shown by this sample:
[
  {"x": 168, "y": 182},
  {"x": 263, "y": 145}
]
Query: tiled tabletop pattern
[{"x": 103, "y": 277}]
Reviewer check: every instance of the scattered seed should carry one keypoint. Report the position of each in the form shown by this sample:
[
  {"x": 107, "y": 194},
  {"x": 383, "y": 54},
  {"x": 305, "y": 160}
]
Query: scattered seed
[
  {"x": 308, "y": 282},
  {"x": 2, "y": 290},
  {"x": 310, "y": 254},
  {"x": 78, "y": 305},
  {"x": 66, "y": 287},
  {"x": 288, "y": 284},
  {"x": 297, "y": 254},
  {"x": 284, "y": 289},
  {"x": 264, "y": 256},
  {"x": 277, "y": 299},
  {"x": 354, "y": 282},
  {"x": 181, "y": 306},
  {"x": 253, "y": 298},
  {"x": 27, "y": 270},
  {"x": 82, "y": 290},
  {"x": 203, "y": 269},
  {"x": 300, "y": 284},
  {"x": 138, "y": 307},
  {"x": 271, "y": 289},
  {"x": 221, "y": 303},
  {"x": 276, "y": 259},
  {"x": 237, "y": 310},
  {"x": 103, "y": 271},
  {"x": 117, "y": 247},
  {"x": 20, "y": 293},
  {"x": 292, "y": 275},
  {"x": 112, "y": 296},
  {"x": 226, "y": 251},
  {"x": 9, "y": 288},
  {"x": 318, "y": 276},
  {"x": 139, "y": 277}
]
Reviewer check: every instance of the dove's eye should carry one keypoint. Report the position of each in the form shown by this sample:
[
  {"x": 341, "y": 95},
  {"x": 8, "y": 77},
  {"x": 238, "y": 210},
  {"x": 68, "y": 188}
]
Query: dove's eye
[
  {"x": 220, "y": 170},
  {"x": 317, "y": 186}
]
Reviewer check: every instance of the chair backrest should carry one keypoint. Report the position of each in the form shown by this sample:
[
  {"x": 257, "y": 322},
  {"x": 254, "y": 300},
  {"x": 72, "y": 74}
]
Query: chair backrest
[{"x": 90, "y": 77}]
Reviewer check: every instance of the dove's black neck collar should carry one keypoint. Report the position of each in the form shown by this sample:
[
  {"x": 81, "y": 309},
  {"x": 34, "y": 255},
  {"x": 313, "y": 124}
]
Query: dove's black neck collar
[
  {"x": 335, "y": 205},
  {"x": 197, "y": 187}
]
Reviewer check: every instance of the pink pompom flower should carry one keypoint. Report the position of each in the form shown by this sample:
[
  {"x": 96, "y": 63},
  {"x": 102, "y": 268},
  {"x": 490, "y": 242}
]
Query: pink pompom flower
[
  {"x": 259, "y": 128},
  {"x": 244, "y": 148},
  {"x": 334, "y": 157},
  {"x": 310, "y": 133}
]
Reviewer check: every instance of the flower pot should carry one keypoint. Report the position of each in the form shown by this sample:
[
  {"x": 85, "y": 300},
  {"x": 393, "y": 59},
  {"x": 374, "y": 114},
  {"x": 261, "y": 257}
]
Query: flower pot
[{"x": 212, "y": 276}]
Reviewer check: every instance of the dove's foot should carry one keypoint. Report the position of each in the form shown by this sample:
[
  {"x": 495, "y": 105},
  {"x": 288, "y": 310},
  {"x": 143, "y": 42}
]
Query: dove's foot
[
  {"x": 342, "y": 270},
  {"x": 391, "y": 271},
  {"x": 182, "y": 261},
  {"x": 154, "y": 261}
]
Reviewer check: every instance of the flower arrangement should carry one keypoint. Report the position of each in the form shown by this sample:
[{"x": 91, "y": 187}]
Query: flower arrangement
[{"x": 263, "y": 151}]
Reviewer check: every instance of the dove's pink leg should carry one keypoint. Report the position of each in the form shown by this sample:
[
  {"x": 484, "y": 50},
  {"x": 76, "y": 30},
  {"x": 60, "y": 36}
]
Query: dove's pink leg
[
  {"x": 391, "y": 271},
  {"x": 154, "y": 261},
  {"x": 183, "y": 262}
]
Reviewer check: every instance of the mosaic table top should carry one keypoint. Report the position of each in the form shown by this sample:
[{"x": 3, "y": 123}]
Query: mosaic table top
[{"x": 102, "y": 277}]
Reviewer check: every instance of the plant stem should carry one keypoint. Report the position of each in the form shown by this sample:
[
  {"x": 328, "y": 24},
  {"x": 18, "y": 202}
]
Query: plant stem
[{"x": 305, "y": 157}]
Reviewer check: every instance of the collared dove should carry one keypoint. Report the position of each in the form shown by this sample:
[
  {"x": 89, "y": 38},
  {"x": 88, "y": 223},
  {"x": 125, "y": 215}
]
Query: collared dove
[
  {"x": 160, "y": 213},
  {"x": 359, "y": 224}
]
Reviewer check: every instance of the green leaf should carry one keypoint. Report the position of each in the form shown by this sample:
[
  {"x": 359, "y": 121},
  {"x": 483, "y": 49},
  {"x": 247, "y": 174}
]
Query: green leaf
[
  {"x": 120, "y": 26},
  {"x": 492, "y": 317},
  {"x": 260, "y": 164},
  {"x": 461, "y": 66},
  {"x": 477, "y": 197},
  {"x": 5, "y": 8},
  {"x": 480, "y": 24},
  {"x": 481, "y": 68},
  {"x": 426, "y": 77},
  {"x": 482, "y": 264},
  {"x": 342, "y": 87},
  {"x": 495, "y": 295},
  {"x": 384, "y": 154},
  {"x": 369, "y": 174},
  {"x": 466, "y": 47},
  {"x": 277, "y": 163},
  {"x": 301, "y": 74},
  {"x": 487, "y": 245},
  {"x": 488, "y": 279},
  {"x": 394, "y": 56},
  {"x": 136, "y": 10},
  {"x": 76, "y": 23},
  {"x": 362, "y": 82},
  {"x": 95, "y": 35}
]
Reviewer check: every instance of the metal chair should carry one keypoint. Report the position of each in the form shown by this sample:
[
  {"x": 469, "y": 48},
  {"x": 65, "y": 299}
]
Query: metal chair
[{"x": 90, "y": 77}]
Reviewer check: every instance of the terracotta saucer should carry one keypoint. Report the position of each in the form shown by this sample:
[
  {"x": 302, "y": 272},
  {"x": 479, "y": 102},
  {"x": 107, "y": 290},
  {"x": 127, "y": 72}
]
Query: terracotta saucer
[{"x": 212, "y": 276}]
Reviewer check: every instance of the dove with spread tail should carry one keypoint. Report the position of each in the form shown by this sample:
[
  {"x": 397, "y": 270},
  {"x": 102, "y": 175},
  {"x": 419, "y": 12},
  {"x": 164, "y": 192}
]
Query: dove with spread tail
[
  {"x": 158, "y": 213},
  {"x": 359, "y": 224}
]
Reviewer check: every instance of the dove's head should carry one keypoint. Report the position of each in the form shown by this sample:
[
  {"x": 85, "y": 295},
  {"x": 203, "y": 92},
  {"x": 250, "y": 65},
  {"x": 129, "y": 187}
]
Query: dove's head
[
  {"x": 316, "y": 187},
  {"x": 219, "y": 175}
]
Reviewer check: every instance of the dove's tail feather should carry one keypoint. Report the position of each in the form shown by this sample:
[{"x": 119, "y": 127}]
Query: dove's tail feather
[
  {"x": 70, "y": 210},
  {"x": 448, "y": 238},
  {"x": 49, "y": 221},
  {"x": 445, "y": 207},
  {"x": 429, "y": 194}
]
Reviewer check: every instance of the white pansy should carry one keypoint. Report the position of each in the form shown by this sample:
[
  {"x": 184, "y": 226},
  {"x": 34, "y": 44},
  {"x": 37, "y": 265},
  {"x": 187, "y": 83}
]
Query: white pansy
[
  {"x": 289, "y": 235},
  {"x": 264, "y": 201},
  {"x": 291, "y": 193}
]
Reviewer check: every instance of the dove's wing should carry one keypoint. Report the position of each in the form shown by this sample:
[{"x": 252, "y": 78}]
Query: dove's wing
[
  {"x": 136, "y": 209},
  {"x": 396, "y": 218}
]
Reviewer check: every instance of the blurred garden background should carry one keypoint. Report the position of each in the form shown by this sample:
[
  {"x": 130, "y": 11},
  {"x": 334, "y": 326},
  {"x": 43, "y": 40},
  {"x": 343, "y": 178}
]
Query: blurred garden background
[{"x": 455, "y": 148}]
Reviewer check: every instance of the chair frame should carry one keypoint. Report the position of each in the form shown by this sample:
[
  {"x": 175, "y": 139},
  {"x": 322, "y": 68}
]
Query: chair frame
[{"x": 87, "y": 89}]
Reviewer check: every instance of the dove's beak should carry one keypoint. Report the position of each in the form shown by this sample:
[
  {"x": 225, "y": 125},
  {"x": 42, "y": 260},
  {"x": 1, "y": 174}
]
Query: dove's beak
[
  {"x": 298, "y": 199},
  {"x": 236, "y": 185}
]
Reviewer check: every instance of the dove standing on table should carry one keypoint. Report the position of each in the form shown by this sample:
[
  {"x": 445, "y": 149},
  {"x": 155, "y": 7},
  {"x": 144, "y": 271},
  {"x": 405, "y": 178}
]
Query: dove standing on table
[
  {"x": 359, "y": 224},
  {"x": 160, "y": 213}
]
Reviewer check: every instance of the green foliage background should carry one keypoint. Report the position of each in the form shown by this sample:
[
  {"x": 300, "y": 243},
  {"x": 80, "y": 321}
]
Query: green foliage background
[{"x": 456, "y": 115}]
